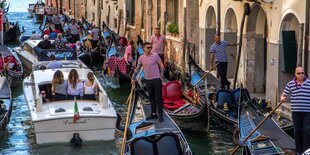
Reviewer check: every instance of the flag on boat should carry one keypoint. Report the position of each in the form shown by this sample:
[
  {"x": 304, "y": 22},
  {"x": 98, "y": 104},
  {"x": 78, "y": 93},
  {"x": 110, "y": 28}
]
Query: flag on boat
[{"x": 76, "y": 115}]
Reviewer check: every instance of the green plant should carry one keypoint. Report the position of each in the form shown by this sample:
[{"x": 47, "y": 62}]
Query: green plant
[{"x": 173, "y": 28}]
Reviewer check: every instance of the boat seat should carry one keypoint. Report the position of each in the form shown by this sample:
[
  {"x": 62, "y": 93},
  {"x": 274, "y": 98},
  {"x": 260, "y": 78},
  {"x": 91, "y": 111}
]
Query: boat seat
[
  {"x": 236, "y": 94},
  {"x": 165, "y": 144},
  {"x": 1, "y": 64},
  {"x": 172, "y": 95},
  {"x": 224, "y": 96}
]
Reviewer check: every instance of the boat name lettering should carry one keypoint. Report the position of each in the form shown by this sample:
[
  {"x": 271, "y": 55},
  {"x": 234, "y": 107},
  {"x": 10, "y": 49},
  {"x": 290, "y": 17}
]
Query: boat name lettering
[{"x": 81, "y": 121}]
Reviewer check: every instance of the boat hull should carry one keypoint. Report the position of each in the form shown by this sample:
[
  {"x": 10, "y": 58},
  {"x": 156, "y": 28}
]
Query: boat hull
[
  {"x": 38, "y": 18},
  {"x": 25, "y": 60},
  {"x": 62, "y": 130}
]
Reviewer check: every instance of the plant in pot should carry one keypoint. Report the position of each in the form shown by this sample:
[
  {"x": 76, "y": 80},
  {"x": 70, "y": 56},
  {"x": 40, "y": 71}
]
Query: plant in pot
[{"x": 173, "y": 29}]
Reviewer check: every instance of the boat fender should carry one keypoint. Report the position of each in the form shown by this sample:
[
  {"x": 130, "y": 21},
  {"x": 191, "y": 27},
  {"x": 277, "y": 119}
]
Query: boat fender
[
  {"x": 122, "y": 127},
  {"x": 76, "y": 140}
]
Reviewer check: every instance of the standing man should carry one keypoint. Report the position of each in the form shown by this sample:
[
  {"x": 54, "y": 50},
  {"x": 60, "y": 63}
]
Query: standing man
[
  {"x": 218, "y": 49},
  {"x": 153, "y": 76},
  {"x": 299, "y": 89},
  {"x": 74, "y": 31},
  {"x": 158, "y": 42},
  {"x": 95, "y": 36}
]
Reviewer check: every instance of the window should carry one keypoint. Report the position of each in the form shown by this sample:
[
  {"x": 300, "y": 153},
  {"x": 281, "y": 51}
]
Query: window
[
  {"x": 173, "y": 11},
  {"x": 130, "y": 11}
]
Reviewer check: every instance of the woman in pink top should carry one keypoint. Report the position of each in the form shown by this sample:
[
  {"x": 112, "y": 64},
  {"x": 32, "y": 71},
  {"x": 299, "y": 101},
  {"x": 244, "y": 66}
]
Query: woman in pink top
[{"x": 128, "y": 56}]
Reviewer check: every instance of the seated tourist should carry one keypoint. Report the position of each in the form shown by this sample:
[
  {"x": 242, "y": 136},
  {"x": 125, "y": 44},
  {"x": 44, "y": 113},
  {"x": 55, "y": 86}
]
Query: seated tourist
[
  {"x": 44, "y": 99},
  {"x": 59, "y": 86},
  {"x": 54, "y": 63},
  {"x": 75, "y": 85},
  {"x": 45, "y": 44},
  {"x": 90, "y": 87}
]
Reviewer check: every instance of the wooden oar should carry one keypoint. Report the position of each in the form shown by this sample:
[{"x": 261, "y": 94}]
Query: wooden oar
[
  {"x": 204, "y": 76},
  {"x": 259, "y": 124},
  {"x": 127, "y": 118}
]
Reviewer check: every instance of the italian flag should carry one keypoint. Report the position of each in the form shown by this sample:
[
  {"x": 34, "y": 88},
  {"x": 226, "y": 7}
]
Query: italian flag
[{"x": 76, "y": 115}]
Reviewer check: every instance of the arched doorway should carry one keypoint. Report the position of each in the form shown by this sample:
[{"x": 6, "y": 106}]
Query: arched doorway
[
  {"x": 230, "y": 35},
  {"x": 289, "y": 34},
  {"x": 255, "y": 50},
  {"x": 210, "y": 30}
]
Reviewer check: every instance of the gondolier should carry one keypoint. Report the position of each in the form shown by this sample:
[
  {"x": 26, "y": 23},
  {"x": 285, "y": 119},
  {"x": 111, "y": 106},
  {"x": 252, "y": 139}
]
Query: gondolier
[
  {"x": 218, "y": 50},
  {"x": 299, "y": 89},
  {"x": 150, "y": 62},
  {"x": 158, "y": 42}
]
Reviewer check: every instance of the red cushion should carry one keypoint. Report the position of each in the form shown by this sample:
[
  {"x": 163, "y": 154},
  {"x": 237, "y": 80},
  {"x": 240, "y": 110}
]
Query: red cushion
[{"x": 173, "y": 91}]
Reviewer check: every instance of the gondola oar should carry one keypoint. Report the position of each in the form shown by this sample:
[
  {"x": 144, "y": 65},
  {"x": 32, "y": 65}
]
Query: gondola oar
[
  {"x": 127, "y": 119},
  {"x": 259, "y": 124}
]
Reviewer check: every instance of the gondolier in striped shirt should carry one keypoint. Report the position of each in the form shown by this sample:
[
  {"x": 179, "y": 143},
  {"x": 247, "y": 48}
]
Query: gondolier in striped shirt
[
  {"x": 218, "y": 50},
  {"x": 299, "y": 89},
  {"x": 151, "y": 63}
]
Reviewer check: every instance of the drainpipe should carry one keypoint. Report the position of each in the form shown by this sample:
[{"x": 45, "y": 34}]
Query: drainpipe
[
  {"x": 300, "y": 44},
  {"x": 218, "y": 32},
  {"x": 306, "y": 46},
  {"x": 184, "y": 43},
  {"x": 245, "y": 13}
]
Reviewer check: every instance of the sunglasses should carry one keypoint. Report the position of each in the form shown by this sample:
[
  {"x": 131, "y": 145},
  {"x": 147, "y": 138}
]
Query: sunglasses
[
  {"x": 300, "y": 73},
  {"x": 149, "y": 47}
]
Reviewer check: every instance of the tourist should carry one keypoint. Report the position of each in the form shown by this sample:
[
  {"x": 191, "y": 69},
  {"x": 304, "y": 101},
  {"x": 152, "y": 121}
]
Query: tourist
[
  {"x": 218, "y": 50},
  {"x": 90, "y": 87},
  {"x": 59, "y": 86},
  {"x": 75, "y": 85},
  {"x": 74, "y": 31},
  {"x": 45, "y": 43},
  {"x": 151, "y": 63},
  {"x": 57, "y": 21},
  {"x": 299, "y": 90},
  {"x": 53, "y": 64},
  {"x": 128, "y": 56},
  {"x": 35, "y": 36},
  {"x": 158, "y": 43},
  {"x": 59, "y": 43}
]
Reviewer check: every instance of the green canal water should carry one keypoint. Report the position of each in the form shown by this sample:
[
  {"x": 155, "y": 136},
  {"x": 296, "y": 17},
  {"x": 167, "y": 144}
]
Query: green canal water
[{"x": 19, "y": 136}]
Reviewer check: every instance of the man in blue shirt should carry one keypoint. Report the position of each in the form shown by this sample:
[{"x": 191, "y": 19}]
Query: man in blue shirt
[
  {"x": 218, "y": 50},
  {"x": 299, "y": 89},
  {"x": 54, "y": 63}
]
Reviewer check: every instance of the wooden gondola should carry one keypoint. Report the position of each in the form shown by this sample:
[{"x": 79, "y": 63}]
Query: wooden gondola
[
  {"x": 148, "y": 137},
  {"x": 188, "y": 109},
  {"x": 11, "y": 33},
  {"x": 6, "y": 106},
  {"x": 10, "y": 65},
  {"x": 228, "y": 113},
  {"x": 268, "y": 138}
]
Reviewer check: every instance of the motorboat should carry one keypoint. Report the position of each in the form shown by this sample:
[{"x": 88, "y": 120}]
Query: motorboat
[
  {"x": 30, "y": 54},
  {"x": 40, "y": 12},
  {"x": 53, "y": 121},
  {"x": 32, "y": 8}
]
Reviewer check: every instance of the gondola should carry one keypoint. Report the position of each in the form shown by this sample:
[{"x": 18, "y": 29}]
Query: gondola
[
  {"x": 187, "y": 109},
  {"x": 152, "y": 136},
  {"x": 10, "y": 65},
  {"x": 5, "y": 104},
  {"x": 227, "y": 114},
  {"x": 268, "y": 138},
  {"x": 12, "y": 33}
]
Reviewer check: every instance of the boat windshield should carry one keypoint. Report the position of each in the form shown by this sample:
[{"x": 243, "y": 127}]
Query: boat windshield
[{"x": 44, "y": 54}]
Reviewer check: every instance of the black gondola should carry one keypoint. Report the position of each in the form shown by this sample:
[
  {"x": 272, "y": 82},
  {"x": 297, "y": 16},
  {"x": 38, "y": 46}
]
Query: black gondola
[
  {"x": 228, "y": 113},
  {"x": 10, "y": 65},
  {"x": 12, "y": 33},
  {"x": 268, "y": 138},
  {"x": 147, "y": 137},
  {"x": 5, "y": 104}
]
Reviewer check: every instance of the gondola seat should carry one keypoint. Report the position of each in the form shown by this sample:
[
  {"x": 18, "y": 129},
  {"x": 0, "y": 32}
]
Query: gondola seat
[
  {"x": 224, "y": 96},
  {"x": 165, "y": 144},
  {"x": 172, "y": 95},
  {"x": 236, "y": 94},
  {"x": 123, "y": 41}
]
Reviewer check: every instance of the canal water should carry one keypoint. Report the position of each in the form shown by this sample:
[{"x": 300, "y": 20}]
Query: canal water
[{"x": 19, "y": 137}]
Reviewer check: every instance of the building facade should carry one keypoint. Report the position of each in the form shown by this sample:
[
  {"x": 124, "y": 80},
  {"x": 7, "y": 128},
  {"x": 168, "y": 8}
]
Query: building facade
[{"x": 273, "y": 40}]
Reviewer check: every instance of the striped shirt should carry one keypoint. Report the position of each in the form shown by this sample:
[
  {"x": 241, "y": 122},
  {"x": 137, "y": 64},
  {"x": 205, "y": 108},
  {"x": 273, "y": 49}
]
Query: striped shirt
[
  {"x": 150, "y": 64},
  {"x": 300, "y": 95},
  {"x": 158, "y": 43},
  {"x": 220, "y": 51}
]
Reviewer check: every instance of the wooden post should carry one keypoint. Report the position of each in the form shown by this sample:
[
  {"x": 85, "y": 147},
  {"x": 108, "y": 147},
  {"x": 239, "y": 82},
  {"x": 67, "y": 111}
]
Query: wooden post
[
  {"x": 300, "y": 44},
  {"x": 108, "y": 22},
  {"x": 120, "y": 12},
  {"x": 184, "y": 45},
  {"x": 218, "y": 23},
  {"x": 306, "y": 45},
  {"x": 245, "y": 13}
]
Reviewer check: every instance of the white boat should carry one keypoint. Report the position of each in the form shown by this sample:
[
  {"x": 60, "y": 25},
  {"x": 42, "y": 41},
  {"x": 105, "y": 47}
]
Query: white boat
[
  {"x": 30, "y": 54},
  {"x": 53, "y": 120},
  {"x": 32, "y": 8}
]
